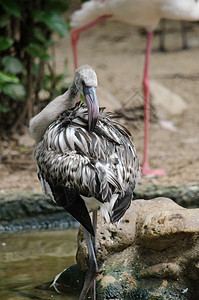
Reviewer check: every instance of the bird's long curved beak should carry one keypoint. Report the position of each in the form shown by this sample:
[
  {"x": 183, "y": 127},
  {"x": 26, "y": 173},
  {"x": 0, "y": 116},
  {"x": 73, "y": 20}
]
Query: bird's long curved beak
[{"x": 90, "y": 96}]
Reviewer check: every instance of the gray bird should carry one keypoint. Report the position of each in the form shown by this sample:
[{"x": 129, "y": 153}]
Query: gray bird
[{"x": 86, "y": 160}]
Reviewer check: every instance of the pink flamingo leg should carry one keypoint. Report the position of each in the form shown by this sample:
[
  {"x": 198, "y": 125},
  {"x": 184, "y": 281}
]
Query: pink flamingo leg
[
  {"x": 76, "y": 33},
  {"x": 145, "y": 167}
]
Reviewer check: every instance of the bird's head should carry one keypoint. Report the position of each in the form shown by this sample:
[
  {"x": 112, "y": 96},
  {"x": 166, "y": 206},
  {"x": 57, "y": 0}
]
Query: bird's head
[{"x": 86, "y": 83}]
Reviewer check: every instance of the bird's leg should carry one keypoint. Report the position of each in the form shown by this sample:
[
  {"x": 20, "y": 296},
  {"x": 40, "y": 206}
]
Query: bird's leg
[
  {"x": 95, "y": 231},
  {"x": 146, "y": 88},
  {"x": 74, "y": 40},
  {"x": 76, "y": 33},
  {"x": 145, "y": 167},
  {"x": 94, "y": 239},
  {"x": 92, "y": 267}
]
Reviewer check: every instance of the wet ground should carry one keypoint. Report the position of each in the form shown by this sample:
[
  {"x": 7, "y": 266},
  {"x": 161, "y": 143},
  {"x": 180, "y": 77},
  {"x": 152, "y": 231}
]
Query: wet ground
[{"x": 30, "y": 259}]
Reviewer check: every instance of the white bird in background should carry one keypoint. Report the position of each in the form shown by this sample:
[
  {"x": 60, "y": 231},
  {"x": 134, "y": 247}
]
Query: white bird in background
[
  {"x": 144, "y": 13},
  {"x": 86, "y": 160}
]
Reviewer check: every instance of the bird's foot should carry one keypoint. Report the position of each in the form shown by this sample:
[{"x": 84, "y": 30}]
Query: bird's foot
[
  {"x": 152, "y": 172},
  {"x": 89, "y": 284}
]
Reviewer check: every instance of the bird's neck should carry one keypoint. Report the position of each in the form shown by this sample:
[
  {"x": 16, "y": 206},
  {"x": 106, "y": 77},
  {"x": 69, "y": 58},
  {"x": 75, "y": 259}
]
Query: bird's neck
[
  {"x": 73, "y": 93},
  {"x": 49, "y": 114}
]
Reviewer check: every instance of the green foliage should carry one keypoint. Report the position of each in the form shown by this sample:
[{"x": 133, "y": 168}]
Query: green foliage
[
  {"x": 53, "y": 21},
  {"x": 15, "y": 90},
  {"x": 4, "y": 78},
  {"x": 26, "y": 29},
  {"x": 57, "y": 6},
  {"x": 12, "y": 64},
  {"x": 5, "y": 43},
  {"x": 35, "y": 51},
  {"x": 4, "y": 20},
  {"x": 12, "y": 7}
]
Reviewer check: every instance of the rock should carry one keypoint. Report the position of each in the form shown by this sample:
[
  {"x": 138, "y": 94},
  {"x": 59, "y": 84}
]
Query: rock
[
  {"x": 161, "y": 229},
  {"x": 152, "y": 253},
  {"x": 184, "y": 195},
  {"x": 168, "y": 125},
  {"x": 32, "y": 211},
  {"x": 166, "y": 103}
]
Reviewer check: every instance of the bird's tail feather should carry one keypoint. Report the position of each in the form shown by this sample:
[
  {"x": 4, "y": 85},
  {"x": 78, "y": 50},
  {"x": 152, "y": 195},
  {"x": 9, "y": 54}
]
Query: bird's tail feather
[{"x": 121, "y": 206}]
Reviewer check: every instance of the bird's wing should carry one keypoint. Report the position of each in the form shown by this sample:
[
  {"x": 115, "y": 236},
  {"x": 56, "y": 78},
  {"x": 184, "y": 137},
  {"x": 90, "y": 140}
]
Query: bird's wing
[
  {"x": 75, "y": 171},
  {"x": 70, "y": 200},
  {"x": 45, "y": 185},
  {"x": 95, "y": 164},
  {"x": 121, "y": 205}
]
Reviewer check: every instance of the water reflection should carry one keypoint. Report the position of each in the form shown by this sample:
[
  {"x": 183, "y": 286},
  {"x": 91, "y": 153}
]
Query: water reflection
[{"x": 32, "y": 258}]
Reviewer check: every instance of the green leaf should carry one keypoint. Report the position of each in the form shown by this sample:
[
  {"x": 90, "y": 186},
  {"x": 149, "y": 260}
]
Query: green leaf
[
  {"x": 12, "y": 64},
  {"x": 57, "y": 6},
  {"x": 12, "y": 7},
  {"x": 35, "y": 69},
  {"x": 39, "y": 34},
  {"x": 4, "y": 20},
  {"x": 35, "y": 50},
  {"x": 5, "y": 78},
  {"x": 4, "y": 108},
  {"x": 53, "y": 21},
  {"x": 5, "y": 43},
  {"x": 15, "y": 91}
]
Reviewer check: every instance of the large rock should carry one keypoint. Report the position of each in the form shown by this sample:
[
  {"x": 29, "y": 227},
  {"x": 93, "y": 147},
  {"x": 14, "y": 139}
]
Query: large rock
[
  {"x": 153, "y": 253},
  {"x": 166, "y": 103}
]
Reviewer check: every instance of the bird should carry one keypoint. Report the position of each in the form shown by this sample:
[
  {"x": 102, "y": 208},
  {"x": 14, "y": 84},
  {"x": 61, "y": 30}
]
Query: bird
[
  {"x": 86, "y": 161},
  {"x": 142, "y": 13}
]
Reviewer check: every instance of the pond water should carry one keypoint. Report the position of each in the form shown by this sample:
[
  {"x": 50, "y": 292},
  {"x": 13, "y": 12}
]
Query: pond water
[{"x": 30, "y": 259}]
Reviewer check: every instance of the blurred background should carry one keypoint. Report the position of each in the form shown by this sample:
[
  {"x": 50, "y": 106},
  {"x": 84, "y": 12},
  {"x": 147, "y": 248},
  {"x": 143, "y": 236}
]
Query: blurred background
[{"x": 36, "y": 65}]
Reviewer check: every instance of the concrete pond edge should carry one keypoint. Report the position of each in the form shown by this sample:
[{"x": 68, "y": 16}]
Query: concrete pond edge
[{"x": 34, "y": 211}]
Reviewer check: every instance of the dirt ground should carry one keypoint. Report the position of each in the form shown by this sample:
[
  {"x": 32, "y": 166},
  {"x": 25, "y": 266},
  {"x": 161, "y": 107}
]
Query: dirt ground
[{"x": 116, "y": 52}]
